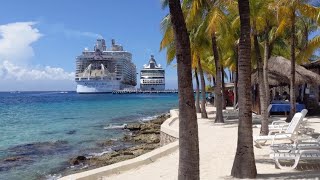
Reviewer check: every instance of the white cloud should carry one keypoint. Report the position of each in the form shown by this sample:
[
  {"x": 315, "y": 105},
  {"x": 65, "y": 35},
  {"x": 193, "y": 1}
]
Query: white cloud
[
  {"x": 9, "y": 71},
  {"x": 16, "y": 70},
  {"x": 16, "y": 40}
]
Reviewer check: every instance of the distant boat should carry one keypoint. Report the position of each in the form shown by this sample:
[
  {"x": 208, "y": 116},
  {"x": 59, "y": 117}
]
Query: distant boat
[
  {"x": 63, "y": 92},
  {"x": 15, "y": 92}
]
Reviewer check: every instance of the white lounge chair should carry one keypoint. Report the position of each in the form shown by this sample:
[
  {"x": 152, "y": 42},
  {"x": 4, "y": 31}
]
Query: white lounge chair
[
  {"x": 282, "y": 124},
  {"x": 234, "y": 113},
  {"x": 290, "y": 132},
  {"x": 259, "y": 116},
  {"x": 231, "y": 113},
  {"x": 308, "y": 143},
  {"x": 313, "y": 154}
]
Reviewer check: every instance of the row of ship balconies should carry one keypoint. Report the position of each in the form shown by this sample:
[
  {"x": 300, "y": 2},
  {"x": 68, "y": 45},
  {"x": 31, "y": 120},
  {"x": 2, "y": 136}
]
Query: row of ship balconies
[
  {"x": 152, "y": 81},
  {"x": 97, "y": 78},
  {"x": 106, "y": 55}
]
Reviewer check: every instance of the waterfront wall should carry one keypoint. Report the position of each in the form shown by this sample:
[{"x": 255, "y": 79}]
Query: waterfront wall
[
  {"x": 166, "y": 139},
  {"x": 169, "y": 128}
]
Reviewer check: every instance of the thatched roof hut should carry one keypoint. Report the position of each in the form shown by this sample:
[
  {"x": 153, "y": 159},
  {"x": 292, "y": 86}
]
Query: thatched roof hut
[
  {"x": 313, "y": 64},
  {"x": 279, "y": 73}
]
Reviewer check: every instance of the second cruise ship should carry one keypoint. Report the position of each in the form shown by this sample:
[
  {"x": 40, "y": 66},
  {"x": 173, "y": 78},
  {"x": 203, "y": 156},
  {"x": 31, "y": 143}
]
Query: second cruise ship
[{"x": 152, "y": 76}]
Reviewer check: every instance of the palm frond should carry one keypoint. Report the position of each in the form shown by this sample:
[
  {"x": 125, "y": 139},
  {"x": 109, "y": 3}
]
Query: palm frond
[
  {"x": 171, "y": 53},
  {"x": 310, "y": 11},
  {"x": 307, "y": 53},
  {"x": 217, "y": 20},
  {"x": 283, "y": 25}
]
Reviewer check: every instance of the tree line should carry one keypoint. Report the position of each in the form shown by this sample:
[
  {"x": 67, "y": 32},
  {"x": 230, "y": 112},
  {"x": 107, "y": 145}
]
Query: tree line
[{"x": 207, "y": 36}]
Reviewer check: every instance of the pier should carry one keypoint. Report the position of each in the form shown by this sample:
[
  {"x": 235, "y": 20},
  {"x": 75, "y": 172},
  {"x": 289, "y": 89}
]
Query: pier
[{"x": 142, "y": 92}]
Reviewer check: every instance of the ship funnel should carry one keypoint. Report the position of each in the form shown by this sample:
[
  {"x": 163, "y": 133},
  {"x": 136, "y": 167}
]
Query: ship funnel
[{"x": 113, "y": 42}]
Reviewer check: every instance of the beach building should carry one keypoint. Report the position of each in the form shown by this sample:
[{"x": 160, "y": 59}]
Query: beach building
[
  {"x": 306, "y": 82},
  {"x": 152, "y": 76},
  {"x": 314, "y": 90}
]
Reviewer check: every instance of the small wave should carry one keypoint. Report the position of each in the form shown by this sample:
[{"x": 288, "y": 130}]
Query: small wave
[
  {"x": 112, "y": 126},
  {"x": 53, "y": 176},
  {"x": 149, "y": 118},
  {"x": 109, "y": 150}
]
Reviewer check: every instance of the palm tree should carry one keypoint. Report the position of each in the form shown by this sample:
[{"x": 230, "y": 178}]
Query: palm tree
[
  {"x": 203, "y": 91},
  {"x": 198, "y": 109},
  {"x": 198, "y": 45},
  {"x": 287, "y": 10},
  {"x": 217, "y": 23},
  {"x": 218, "y": 85},
  {"x": 211, "y": 19},
  {"x": 198, "y": 51},
  {"x": 244, "y": 162},
  {"x": 257, "y": 10},
  {"x": 188, "y": 127}
]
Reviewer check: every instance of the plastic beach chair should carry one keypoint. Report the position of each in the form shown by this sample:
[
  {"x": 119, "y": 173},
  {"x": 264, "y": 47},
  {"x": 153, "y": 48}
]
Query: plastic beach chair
[
  {"x": 281, "y": 125},
  {"x": 290, "y": 132},
  {"x": 296, "y": 156}
]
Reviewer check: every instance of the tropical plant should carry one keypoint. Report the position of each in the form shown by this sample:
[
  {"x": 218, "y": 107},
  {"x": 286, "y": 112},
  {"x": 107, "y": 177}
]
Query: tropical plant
[
  {"x": 198, "y": 109},
  {"x": 244, "y": 162},
  {"x": 197, "y": 46},
  {"x": 188, "y": 127},
  {"x": 257, "y": 12},
  {"x": 287, "y": 12}
]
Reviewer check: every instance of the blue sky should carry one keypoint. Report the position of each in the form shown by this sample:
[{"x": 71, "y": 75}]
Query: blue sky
[{"x": 41, "y": 38}]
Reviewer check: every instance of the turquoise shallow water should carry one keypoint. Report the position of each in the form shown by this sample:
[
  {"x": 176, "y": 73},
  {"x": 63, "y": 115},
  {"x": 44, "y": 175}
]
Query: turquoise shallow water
[{"x": 44, "y": 129}]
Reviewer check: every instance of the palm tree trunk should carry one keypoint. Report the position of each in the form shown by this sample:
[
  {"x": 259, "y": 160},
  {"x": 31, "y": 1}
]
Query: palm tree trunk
[
  {"x": 265, "y": 67},
  {"x": 198, "y": 109},
  {"x": 224, "y": 96},
  {"x": 188, "y": 126},
  {"x": 236, "y": 79},
  {"x": 217, "y": 89},
  {"x": 203, "y": 91},
  {"x": 262, "y": 92},
  {"x": 293, "y": 69},
  {"x": 213, "y": 80},
  {"x": 244, "y": 163}
]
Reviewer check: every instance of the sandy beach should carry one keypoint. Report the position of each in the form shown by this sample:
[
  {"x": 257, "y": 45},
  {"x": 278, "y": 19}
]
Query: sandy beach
[{"x": 217, "y": 150}]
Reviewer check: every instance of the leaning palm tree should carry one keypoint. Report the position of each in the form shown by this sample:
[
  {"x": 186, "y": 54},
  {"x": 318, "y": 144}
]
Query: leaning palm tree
[
  {"x": 203, "y": 91},
  {"x": 258, "y": 9},
  {"x": 244, "y": 162},
  {"x": 208, "y": 13},
  {"x": 198, "y": 109},
  {"x": 198, "y": 47},
  {"x": 188, "y": 127}
]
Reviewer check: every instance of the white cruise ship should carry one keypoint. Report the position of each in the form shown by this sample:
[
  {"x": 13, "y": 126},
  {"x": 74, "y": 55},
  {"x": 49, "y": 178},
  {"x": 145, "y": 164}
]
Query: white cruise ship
[
  {"x": 152, "y": 76},
  {"x": 104, "y": 70}
]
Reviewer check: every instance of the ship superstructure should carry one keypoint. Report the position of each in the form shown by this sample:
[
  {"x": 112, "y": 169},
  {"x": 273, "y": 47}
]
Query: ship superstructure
[
  {"x": 104, "y": 70},
  {"x": 152, "y": 76}
]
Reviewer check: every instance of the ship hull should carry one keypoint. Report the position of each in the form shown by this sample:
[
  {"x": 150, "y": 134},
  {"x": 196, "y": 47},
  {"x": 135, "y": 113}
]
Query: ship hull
[{"x": 98, "y": 86}]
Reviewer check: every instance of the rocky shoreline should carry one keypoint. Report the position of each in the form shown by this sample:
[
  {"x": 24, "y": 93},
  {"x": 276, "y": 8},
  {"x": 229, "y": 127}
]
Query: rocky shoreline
[{"x": 140, "y": 138}]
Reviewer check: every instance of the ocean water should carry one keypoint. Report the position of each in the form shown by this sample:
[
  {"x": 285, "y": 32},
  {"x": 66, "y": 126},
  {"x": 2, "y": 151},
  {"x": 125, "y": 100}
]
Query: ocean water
[{"x": 40, "y": 131}]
